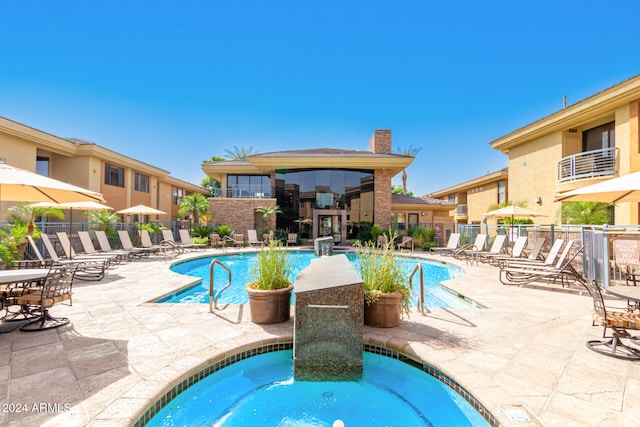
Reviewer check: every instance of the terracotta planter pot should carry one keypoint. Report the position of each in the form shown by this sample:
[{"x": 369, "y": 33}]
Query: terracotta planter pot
[
  {"x": 270, "y": 306},
  {"x": 386, "y": 312}
]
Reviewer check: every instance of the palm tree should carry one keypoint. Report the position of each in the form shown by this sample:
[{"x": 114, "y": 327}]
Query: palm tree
[
  {"x": 413, "y": 152},
  {"x": 103, "y": 220},
  {"x": 267, "y": 211},
  {"x": 239, "y": 153},
  {"x": 25, "y": 212},
  {"x": 593, "y": 213},
  {"x": 195, "y": 205}
]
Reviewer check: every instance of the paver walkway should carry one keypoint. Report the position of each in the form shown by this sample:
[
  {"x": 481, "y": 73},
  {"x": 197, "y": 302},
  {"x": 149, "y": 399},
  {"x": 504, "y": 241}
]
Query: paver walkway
[{"x": 524, "y": 354}]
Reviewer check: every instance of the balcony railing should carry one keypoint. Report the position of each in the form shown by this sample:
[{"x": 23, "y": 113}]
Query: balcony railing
[
  {"x": 245, "y": 192},
  {"x": 589, "y": 164},
  {"x": 461, "y": 210}
]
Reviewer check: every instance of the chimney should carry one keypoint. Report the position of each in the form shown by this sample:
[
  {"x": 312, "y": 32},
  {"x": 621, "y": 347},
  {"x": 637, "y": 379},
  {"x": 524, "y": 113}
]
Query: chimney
[{"x": 380, "y": 141}]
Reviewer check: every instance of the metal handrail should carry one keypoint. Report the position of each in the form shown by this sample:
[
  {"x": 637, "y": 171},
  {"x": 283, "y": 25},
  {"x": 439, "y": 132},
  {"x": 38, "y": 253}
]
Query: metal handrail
[
  {"x": 421, "y": 296},
  {"x": 214, "y": 300}
]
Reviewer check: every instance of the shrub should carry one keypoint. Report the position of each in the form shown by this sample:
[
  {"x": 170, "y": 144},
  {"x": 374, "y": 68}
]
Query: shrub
[{"x": 272, "y": 268}]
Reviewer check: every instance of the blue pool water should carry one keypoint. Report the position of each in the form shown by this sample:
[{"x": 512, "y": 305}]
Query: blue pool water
[
  {"x": 241, "y": 265},
  {"x": 261, "y": 391}
]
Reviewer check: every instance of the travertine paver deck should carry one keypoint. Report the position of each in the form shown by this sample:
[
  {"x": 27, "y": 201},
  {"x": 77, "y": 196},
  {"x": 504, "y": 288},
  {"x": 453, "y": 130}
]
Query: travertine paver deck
[{"x": 524, "y": 354}]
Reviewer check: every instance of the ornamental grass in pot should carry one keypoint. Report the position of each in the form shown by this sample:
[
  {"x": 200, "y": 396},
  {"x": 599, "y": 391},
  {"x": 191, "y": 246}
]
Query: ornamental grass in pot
[
  {"x": 387, "y": 290},
  {"x": 270, "y": 290}
]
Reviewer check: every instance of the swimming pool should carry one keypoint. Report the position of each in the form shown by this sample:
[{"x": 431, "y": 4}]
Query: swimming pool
[
  {"x": 261, "y": 390},
  {"x": 241, "y": 265}
]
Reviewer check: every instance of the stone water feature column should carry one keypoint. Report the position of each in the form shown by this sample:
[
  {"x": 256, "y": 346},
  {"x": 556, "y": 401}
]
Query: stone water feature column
[{"x": 329, "y": 315}]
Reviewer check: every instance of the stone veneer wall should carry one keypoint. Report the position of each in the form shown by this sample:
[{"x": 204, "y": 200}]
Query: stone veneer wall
[
  {"x": 382, "y": 198},
  {"x": 380, "y": 141},
  {"x": 329, "y": 318},
  {"x": 239, "y": 214}
]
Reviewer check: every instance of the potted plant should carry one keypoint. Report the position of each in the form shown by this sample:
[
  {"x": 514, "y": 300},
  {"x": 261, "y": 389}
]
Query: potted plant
[
  {"x": 386, "y": 286},
  {"x": 270, "y": 290}
]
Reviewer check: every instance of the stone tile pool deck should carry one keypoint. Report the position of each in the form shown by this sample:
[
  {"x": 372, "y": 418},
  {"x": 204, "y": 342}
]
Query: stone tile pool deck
[{"x": 524, "y": 354}]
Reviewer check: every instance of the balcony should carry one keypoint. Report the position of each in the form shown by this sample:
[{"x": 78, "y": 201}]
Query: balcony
[
  {"x": 245, "y": 192},
  {"x": 461, "y": 213},
  {"x": 590, "y": 164}
]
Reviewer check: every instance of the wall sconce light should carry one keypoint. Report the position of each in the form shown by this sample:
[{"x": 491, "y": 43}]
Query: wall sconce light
[
  {"x": 423, "y": 214},
  {"x": 366, "y": 214},
  {"x": 538, "y": 200}
]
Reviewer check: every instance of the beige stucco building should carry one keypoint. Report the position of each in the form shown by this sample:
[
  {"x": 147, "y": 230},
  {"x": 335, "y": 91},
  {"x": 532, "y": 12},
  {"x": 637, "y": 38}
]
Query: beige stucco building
[
  {"x": 123, "y": 181},
  {"x": 474, "y": 197},
  {"x": 591, "y": 141}
]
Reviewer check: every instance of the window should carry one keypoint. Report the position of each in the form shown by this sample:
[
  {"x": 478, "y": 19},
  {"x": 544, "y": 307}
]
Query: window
[
  {"x": 113, "y": 175},
  {"x": 501, "y": 192},
  {"x": 452, "y": 198},
  {"x": 177, "y": 195},
  {"x": 600, "y": 137},
  {"x": 42, "y": 166},
  {"x": 141, "y": 183}
]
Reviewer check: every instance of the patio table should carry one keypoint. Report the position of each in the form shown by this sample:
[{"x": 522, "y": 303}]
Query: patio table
[
  {"x": 22, "y": 275},
  {"x": 630, "y": 293}
]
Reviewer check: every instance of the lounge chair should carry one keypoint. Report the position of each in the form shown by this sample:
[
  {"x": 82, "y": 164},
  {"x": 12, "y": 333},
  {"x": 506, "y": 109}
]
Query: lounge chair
[
  {"x": 169, "y": 242},
  {"x": 90, "y": 249},
  {"x": 549, "y": 260},
  {"x": 452, "y": 245},
  {"x": 469, "y": 250},
  {"x": 562, "y": 270},
  {"x": 145, "y": 241},
  {"x": 125, "y": 242},
  {"x": 496, "y": 247},
  {"x": 618, "y": 320},
  {"x": 185, "y": 240},
  {"x": 57, "y": 287},
  {"x": 383, "y": 241},
  {"x": 516, "y": 252},
  {"x": 38, "y": 262},
  {"x": 70, "y": 253},
  {"x": 252, "y": 237},
  {"x": 105, "y": 246},
  {"x": 86, "y": 269}
]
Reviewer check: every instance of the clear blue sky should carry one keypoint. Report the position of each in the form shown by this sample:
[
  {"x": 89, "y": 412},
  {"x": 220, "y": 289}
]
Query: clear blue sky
[{"x": 173, "y": 83}]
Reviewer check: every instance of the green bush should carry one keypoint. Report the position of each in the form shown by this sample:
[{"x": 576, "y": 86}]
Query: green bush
[
  {"x": 382, "y": 273},
  {"x": 272, "y": 268},
  {"x": 201, "y": 231},
  {"x": 224, "y": 230}
]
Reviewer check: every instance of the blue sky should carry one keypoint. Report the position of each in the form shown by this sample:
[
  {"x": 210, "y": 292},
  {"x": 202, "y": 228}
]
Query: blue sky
[{"x": 173, "y": 83}]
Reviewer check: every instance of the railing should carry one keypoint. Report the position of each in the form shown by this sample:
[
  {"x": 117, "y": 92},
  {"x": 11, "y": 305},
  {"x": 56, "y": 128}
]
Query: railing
[
  {"x": 245, "y": 192},
  {"x": 417, "y": 268},
  {"x": 213, "y": 300},
  {"x": 587, "y": 165},
  {"x": 461, "y": 210}
]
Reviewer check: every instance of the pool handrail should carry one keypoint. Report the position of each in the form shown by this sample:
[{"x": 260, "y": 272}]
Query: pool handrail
[
  {"x": 418, "y": 267},
  {"x": 214, "y": 300}
]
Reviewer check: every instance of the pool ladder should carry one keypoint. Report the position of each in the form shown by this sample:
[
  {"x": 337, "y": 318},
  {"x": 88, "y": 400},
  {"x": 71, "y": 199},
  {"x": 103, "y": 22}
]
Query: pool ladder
[
  {"x": 417, "y": 268},
  {"x": 213, "y": 299}
]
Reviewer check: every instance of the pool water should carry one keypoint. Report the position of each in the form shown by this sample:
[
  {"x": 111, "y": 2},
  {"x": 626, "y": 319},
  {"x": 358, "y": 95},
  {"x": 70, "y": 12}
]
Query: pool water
[
  {"x": 242, "y": 264},
  {"x": 261, "y": 391}
]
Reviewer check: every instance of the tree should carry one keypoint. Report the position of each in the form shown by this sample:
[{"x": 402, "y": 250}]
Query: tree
[
  {"x": 396, "y": 189},
  {"x": 195, "y": 205},
  {"x": 593, "y": 213},
  {"x": 210, "y": 184},
  {"x": 24, "y": 212},
  {"x": 104, "y": 220},
  {"x": 413, "y": 152},
  {"x": 267, "y": 211},
  {"x": 215, "y": 159},
  {"x": 239, "y": 153}
]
